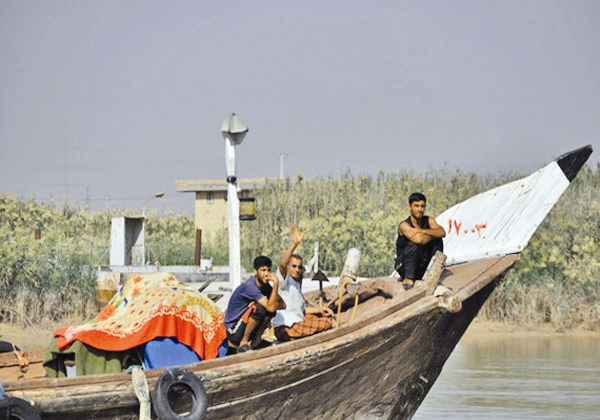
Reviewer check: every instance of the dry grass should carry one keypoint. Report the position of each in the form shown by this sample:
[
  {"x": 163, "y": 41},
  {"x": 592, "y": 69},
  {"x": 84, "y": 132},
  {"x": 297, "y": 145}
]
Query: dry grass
[
  {"x": 533, "y": 307},
  {"x": 557, "y": 282}
]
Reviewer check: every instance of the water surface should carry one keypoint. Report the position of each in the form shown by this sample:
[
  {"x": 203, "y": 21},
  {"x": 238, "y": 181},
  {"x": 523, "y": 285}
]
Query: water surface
[{"x": 518, "y": 377}]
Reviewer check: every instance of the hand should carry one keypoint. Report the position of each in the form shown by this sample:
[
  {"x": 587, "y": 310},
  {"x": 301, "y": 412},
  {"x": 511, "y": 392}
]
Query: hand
[
  {"x": 273, "y": 278},
  {"x": 410, "y": 231},
  {"x": 326, "y": 311},
  {"x": 296, "y": 236}
]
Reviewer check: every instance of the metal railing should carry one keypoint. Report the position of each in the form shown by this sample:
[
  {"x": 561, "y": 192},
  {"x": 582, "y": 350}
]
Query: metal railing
[{"x": 156, "y": 254}]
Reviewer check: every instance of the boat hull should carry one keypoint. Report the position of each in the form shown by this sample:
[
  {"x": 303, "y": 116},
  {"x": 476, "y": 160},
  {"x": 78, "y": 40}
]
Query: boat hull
[{"x": 380, "y": 366}]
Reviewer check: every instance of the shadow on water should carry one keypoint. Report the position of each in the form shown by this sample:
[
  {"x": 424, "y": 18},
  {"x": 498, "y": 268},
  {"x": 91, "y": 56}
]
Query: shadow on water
[{"x": 526, "y": 376}]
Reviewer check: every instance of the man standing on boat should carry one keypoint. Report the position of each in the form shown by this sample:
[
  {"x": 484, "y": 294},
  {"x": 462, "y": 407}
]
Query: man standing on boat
[
  {"x": 251, "y": 306},
  {"x": 419, "y": 237},
  {"x": 297, "y": 320}
]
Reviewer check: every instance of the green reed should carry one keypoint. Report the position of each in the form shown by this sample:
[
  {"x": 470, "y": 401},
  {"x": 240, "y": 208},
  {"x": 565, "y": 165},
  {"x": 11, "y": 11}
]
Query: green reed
[{"x": 557, "y": 280}]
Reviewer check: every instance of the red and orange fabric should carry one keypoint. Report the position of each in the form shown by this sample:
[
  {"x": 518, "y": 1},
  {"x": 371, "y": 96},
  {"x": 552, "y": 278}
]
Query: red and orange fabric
[{"x": 147, "y": 307}]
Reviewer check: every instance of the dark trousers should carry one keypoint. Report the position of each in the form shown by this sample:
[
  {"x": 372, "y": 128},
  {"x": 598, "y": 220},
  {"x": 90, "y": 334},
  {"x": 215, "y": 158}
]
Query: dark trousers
[
  {"x": 415, "y": 258},
  {"x": 235, "y": 334}
]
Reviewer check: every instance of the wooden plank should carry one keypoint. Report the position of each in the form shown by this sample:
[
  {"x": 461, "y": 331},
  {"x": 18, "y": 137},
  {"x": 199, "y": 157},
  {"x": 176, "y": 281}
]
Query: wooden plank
[{"x": 434, "y": 272}]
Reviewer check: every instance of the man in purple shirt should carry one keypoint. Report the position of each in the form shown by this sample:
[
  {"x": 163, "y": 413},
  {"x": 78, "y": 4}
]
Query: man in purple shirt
[{"x": 251, "y": 307}]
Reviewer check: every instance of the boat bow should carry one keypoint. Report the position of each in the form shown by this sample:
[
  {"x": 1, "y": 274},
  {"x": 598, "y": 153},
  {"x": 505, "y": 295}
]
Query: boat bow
[{"x": 502, "y": 220}]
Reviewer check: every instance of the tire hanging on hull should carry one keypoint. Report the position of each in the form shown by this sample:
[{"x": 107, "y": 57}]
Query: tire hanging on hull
[{"x": 176, "y": 384}]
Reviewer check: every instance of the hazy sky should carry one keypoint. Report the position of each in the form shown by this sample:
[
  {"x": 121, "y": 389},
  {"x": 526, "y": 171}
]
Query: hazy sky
[{"x": 109, "y": 102}]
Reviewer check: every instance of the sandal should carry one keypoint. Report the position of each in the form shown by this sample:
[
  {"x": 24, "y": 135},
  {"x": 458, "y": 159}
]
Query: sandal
[{"x": 244, "y": 348}]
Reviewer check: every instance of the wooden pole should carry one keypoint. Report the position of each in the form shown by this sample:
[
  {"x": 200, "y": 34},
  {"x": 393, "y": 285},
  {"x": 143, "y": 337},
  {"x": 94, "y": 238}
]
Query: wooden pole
[{"x": 198, "y": 249}]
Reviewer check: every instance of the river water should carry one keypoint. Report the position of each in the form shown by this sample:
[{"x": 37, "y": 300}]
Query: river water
[{"x": 523, "y": 376}]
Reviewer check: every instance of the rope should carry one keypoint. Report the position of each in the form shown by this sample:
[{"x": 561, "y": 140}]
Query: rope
[
  {"x": 342, "y": 288},
  {"x": 355, "y": 307},
  {"x": 140, "y": 386}
]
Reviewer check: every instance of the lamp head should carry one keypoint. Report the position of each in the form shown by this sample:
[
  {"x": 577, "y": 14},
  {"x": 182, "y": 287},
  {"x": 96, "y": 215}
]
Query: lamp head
[{"x": 234, "y": 129}]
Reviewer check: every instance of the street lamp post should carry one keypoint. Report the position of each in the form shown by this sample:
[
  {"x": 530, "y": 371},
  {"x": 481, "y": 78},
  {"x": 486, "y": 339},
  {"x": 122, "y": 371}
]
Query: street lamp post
[
  {"x": 157, "y": 195},
  {"x": 234, "y": 130}
]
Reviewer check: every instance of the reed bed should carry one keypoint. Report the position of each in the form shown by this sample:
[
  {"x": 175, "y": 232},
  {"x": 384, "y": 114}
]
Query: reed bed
[{"x": 53, "y": 277}]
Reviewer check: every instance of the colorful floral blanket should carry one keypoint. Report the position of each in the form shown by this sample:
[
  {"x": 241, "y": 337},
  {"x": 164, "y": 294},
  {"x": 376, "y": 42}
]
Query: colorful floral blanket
[{"x": 147, "y": 307}]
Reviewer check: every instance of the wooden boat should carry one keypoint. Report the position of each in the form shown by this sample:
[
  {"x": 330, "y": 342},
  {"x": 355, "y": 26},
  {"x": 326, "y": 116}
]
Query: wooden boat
[{"x": 379, "y": 363}]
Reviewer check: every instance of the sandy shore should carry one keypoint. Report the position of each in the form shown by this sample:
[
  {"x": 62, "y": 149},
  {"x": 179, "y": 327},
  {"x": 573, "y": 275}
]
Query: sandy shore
[
  {"x": 483, "y": 329},
  {"x": 26, "y": 338}
]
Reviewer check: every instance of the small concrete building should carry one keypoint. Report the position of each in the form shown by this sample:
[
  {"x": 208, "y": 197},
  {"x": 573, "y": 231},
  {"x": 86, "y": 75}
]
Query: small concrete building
[{"x": 210, "y": 206}]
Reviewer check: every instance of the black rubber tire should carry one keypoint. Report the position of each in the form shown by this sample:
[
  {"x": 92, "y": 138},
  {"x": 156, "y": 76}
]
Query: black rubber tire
[
  {"x": 12, "y": 408},
  {"x": 179, "y": 377}
]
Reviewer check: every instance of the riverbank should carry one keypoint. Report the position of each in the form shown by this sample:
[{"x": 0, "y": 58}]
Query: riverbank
[
  {"x": 483, "y": 329},
  {"x": 37, "y": 336},
  {"x": 26, "y": 338}
]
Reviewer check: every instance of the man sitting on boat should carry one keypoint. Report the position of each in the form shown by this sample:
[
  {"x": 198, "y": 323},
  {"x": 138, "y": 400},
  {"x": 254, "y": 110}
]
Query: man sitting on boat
[
  {"x": 419, "y": 237},
  {"x": 251, "y": 307},
  {"x": 297, "y": 320}
]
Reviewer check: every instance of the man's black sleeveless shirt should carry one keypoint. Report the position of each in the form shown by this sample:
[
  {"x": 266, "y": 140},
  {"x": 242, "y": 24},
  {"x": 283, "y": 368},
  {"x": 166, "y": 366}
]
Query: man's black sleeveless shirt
[{"x": 402, "y": 240}]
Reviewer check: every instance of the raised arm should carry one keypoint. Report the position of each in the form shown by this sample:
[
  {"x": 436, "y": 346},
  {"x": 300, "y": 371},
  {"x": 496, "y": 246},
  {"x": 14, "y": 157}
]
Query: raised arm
[{"x": 285, "y": 259}]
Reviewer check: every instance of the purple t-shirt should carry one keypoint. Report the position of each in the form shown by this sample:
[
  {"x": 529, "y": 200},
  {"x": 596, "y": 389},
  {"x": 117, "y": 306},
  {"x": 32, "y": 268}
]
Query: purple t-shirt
[{"x": 242, "y": 296}]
